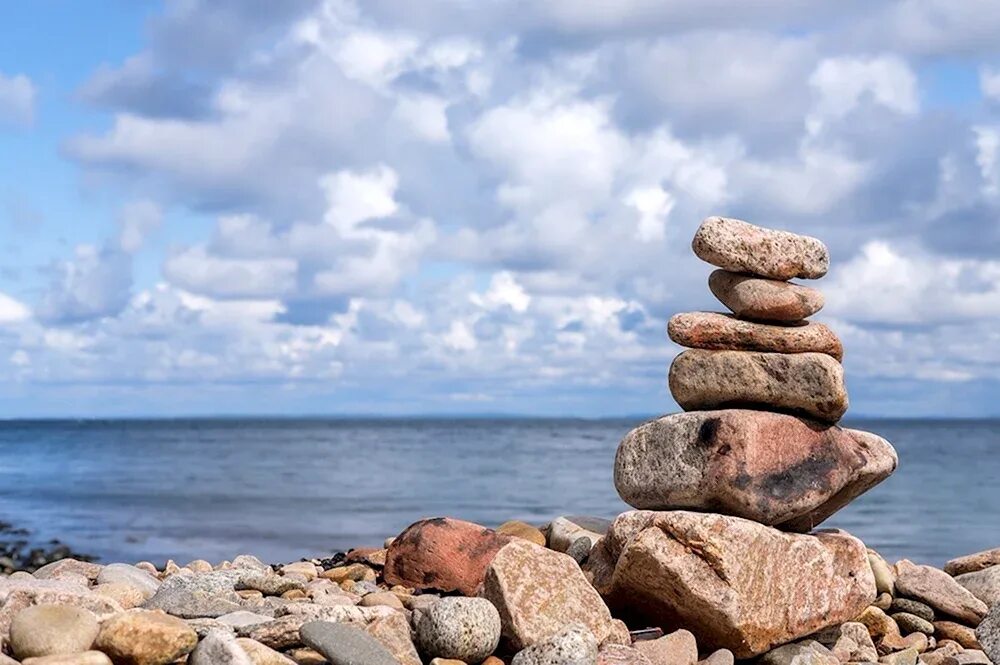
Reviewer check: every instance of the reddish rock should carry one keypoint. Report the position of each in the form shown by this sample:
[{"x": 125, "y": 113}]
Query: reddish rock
[
  {"x": 734, "y": 583},
  {"x": 442, "y": 553},
  {"x": 971, "y": 563},
  {"x": 764, "y": 299},
  {"x": 735, "y": 245},
  {"x": 956, "y": 632},
  {"x": 939, "y": 590},
  {"x": 772, "y": 468},
  {"x": 724, "y": 332}
]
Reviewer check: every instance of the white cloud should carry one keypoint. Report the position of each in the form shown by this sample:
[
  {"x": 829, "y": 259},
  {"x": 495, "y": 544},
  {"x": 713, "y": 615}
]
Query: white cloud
[
  {"x": 504, "y": 291},
  {"x": 136, "y": 221},
  {"x": 842, "y": 83},
  {"x": 653, "y": 206},
  {"x": 95, "y": 283},
  {"x": 12, "y": 311},
  {"x": 17, "y": 99},
  {"x": 196, "y": 270},
  {"x": 356, "y": 197},
  {"x": 989, "y": 83},
  {"x": 988, "y": 158}
]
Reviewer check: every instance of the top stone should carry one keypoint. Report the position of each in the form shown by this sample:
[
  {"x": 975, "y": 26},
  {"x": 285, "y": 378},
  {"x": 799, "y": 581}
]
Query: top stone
[{"x": 737, "y": 246}]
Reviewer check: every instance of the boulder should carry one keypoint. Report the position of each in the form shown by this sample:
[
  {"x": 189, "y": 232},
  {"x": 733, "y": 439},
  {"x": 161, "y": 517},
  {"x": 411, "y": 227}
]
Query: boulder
[
  {"x": 539, "y": 591},
  {"x": 761, "y": 299},
  {"x": 442, "y": 553},
  {"x": 734, "y": 583},
  {"x": 738, "y": 246},
  {"x": 724, "y": 332},
  {"x": 984, "y": 584},
  {"x": 772, "y": 468},
  {"x": 939, "y": 590},
  {"x": 969, "y": 563},
  {"x": 809, "y": 384}
]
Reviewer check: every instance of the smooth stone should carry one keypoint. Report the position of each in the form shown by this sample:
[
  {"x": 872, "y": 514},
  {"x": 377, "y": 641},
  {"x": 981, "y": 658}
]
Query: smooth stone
[
  {"x": 197, "y": 595},
  {"x": 949, "y": 630},
  {"x": 719, "y": 657},
  {"x": 809, "y": 653},
  {"x": 20, "y": 592},
  {"x": 565, "y": 530},
  {"x": 46, "y": 630},
  {"x": 537, "y": 591},
  {"x": 354, "y": 572},
  {"x": 145, "y": 637},
  {"x": 84, "y": 658},
  {"x": 466, "y": 629},
  {"x": 734, "y": 583},
  {"x": 771, "y": 468},
  {"x": 972, "y": 657},
  {"x": 307, "y": 656},
  {"x": 393, "y": 632},
  {"x": 761, "y": 299},
  {"x": 879, "y": 624},
  {"x": 219, "y": 648},
  {"x": 676, "y": 648},
  {"x": 969, "y": 563},
  {"x": 904, "y": 657},
  {"x": 304, "y": 568},
  {"x": 724, "y": 332},
  {"x": 619, "y": 654},
  {"x": 343, "y": 644},
  {"x": 262, "y": 655},
  {"x": 735, "y": 245},
  {"x": 123, "y": 573},
  {"x": 443, "y": 554},
  {"x": 922, "y": 610},
  {"x": 243, "y": 618},
  {"x": 911, "y": 623},
  {"x": 883, "y": 602},
  {"x": 446, "y": 661},
  {"x": 939, "y": 590},
  {"x": 57, "y": 569},
  {"x": 809, "y": 384},
  {"x": 572, "y": 645},
  {"x": 250, "y": 562},
  {"x": 125, "y": 595},
  {"x": 384, "y": 598},
  {"x": 885, "y": 578},
  {"x": 519, "y": 529},
  {"x": 988, "y": 634},
  {"x": 205, "y": 626},
  {"x": 983, "y": 584}
]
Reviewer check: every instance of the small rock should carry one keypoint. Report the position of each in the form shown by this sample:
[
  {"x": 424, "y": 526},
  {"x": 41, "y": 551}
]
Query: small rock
[
  {"x": 579, "y": 551},
  {"x": 196, "y": 595},
  {"x": 446, "y": 661},
  {"x": 385, "y": 598},
  {"x": 939, "y": 590},
  {"x": 219, "y": 648},
  {"x": 354, "y": 572},
  {"x": 466, "y": 629},
  {"x": 46, "y": 630},
  {"x": 343, "y": 644},
  {"x": 719, "y": 657},
  {"x": 307, "y": 656},
  {"x": 199, "y": 566},
  {"x": 911, "y": 623},
  {"x": 885, "y": 578},
  {"x": 125, "y": 595},
  {"x": 85, "y": 658},
  {"x": 967, "y": 564},
  {"x": 735, "y": 245},
  {"x": 619, "y": 654},
  {"x": 904, "y": 657},
  {"x": 262, "y": 655},
  {"x": 304, "y": 568},
  {"x": 57, "y": 569},
  {"x": 883, "y": 602},
  {"x": 850, "y": 642},
  {"x": 125, "y": 574},
  {"x": 716, "y": 331},
  {"x": 243, "y": 618},
  {"x": 565, "y": 530},
  {"x": 676, "y": 648},
  {"x": 518, "y": 529},
  {"x": 972, "y": 657},
  {"x": 922, "y": 610},
  {"x": 393, "y": 632},
  {"x": 983, "y": 584},
  {"x": 878, "y": 623},
  {"x": 800, "y": 653},
  {"x": 949, "y": 630},
  {"x": 761, "y": 299},
  {"x": 144, "y": 637},
  {"x": 250, "y": 562},
  {"x": 573, "y": 645}
]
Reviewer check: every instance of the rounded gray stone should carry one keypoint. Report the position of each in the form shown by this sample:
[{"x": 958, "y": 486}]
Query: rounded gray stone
[
  {"x": 910, "y": 606},
  {"x": 465, "y": 629},
  {"x": 219, "y": 648},
  {"x": 580, "y": 549},
  {"x": 911, "y": 623},
  {"x": 47, "y": 630},
  {"x": 573, "y": 645},
  {"x": 342, "y": 644}
]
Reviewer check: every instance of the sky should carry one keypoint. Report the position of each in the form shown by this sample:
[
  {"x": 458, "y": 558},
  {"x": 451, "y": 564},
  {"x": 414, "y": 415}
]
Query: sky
[{"x": 335, "y": 207}]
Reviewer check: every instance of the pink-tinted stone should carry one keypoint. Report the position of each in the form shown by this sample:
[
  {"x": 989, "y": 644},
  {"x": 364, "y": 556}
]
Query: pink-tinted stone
[
  {"x": 724, "y": 332},
  {"x": 764, "y": 299},
  {"x": 735, "y": 245}
]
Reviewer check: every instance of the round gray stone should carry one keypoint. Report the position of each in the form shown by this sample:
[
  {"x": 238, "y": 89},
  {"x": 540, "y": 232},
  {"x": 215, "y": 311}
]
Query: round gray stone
[
  {"x": 573, "y": 645},
  {"x": 465, "y": 629},
  {"x": 911, "y": 623},
  {"x": 915, "y": 607},
  {"x": 342, "y": 644}
]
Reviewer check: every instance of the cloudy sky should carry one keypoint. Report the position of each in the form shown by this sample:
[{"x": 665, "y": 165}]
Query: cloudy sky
[{"x": 480, "y": 206}]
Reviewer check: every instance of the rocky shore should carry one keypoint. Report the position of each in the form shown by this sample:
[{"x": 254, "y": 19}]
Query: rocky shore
[{"x": 720, "y": 561}]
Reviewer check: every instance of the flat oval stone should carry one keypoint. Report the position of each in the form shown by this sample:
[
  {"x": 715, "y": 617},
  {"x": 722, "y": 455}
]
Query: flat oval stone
[
  {"x": 772, "y": 468},
  {"x": 735, "y": 245},
  {"x": 343, "y": 644},
  {"x": 764, "y": 299},
  {"x": 724, "y": 332},
  {"x": 970, "y": 563},
  {"x": 810, "y": 384}
]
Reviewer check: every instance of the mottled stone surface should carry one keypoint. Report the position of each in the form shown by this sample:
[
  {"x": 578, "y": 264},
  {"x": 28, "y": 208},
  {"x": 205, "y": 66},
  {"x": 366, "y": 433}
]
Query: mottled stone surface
[
  {"x": 566, "y": 530},
  {"x": 751, "y": 297},
  {"x": 677, "y": 648},
  {"x": 939, "y": 590},
  {"x": 810, "y": 384},
  {"x": 442, "y": 553},
  {"x": 219, "y": 648},
  {"x": 143, "y": 637},
  {"x": 619, "y": 654},
  {"x": 466, "y": 629},
  {"x": 772, "y": 468},
  {"x": 983, "y": 584},
  {"x": 519, "y": 529},
  {"x": 574, "y": 644},
  {"x": 538, "y": 591},
  {"x": 973, "y": 562},
  {"x": 735, "y": 245},
  {"x": 801, "y": 653},
  {"x": 262, "y": 655},
  {"x": 724, "y": 332},
  {"x": 343, "y": 644},
  {"x": 732, "y": 582},
  {"x": 85, "y": 658},
  {"x": 950, "y": 630},
  {"x": 393, "y": 633}
]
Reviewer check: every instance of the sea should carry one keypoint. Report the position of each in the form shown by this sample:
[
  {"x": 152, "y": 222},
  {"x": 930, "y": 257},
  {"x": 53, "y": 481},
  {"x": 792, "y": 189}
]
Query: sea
[{"x": 283, "y": 489}]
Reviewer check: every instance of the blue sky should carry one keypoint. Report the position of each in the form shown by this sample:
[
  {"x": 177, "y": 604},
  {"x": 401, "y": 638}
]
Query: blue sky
[{"x": 329, "y": 207}]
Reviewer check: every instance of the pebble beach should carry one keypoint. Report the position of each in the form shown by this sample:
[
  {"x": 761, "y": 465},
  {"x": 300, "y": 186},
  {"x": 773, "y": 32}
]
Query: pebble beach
[{"x": 722, "y": 557}]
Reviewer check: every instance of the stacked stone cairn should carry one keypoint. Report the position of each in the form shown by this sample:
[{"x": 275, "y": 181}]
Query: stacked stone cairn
[{"x": 718, "y": 563}]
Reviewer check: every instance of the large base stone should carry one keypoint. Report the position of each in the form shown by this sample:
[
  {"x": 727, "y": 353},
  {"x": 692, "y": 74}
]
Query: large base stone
[
  {"x": 734, "y": 583},
  {"x": 772, "y": 468}
]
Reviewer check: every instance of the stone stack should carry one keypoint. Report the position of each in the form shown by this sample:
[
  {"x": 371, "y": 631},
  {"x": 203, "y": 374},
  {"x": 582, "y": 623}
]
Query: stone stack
[{"x": 727, "y": 488}]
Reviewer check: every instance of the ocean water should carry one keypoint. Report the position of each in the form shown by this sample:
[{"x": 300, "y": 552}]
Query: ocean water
[{"x": 283, "y": 489}]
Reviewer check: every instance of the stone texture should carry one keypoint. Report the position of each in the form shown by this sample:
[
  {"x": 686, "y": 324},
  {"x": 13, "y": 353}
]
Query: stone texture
[
  {"x": 219, "y": 648},
  {"x": 971, "y": 562},
  {"x": 85, "y": 658},
  {"x": 144, "y": 637},
  {"x": 915, "y": 607},
  {"x": 125, "y": 595},
  {"x": 57, "y": 569},
  {"x": 442, "y": 553},
  {"x": 810, "y": 384},
  {"x": 850, "y": 642},
  {"x": 988, "y": 634},
  {"x": 724, "y": 332},
  {"x": 761, "y": 299},
  {"x": 885, "y": 577},
  {"x": 125, "y": 574},
  {"x": 949, "y": 630},
  {"x": 983, "y": 584},
  {"x": 719, "y": 657},
  {"x": 565, "y": 530},
  {"x": 393, "y": 633},
  {"x": 459, "y": 628},
  {"x": 343, "y": 644},
  {"x": 198, "y": 595},
  {"x": 772, "y": 468},
  {"x": 538, "y": 591},
  {"x": 262, "y": 655},
  {"x": 519, "y": 529},
  {"x": 677, "y": 648},
  {"x": 619, "y": 654},
  {"x": 572, "y": 645},
  {"x": 802, "y": 653},
  {"x": 911, "y": 623},
  {"x": 734, "y": 583},
  {"x": 46, "y": 630},
  {"x": 939, "y": 590},
  {"x": 18, "y": 593},
  {"x": 735, "y": 245}
]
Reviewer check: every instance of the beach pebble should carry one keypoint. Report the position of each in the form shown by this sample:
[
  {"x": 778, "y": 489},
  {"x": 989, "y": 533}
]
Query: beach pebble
[
  {"x": 199, "y": 566},
  {"x": 850, "y": 642},
  {"x": 565, "y": 530},
  {"x": 219, "y": 648},
  {"x": 922, "y": 610},
  {"x": 735, "y": 245},
  {"x": 519, "y": 529},
  {"x": 983, "y": 584},
  {"x": 963, "y": 635},
  {"x": 355, "y": 572},
  {"x": 760, "y": 299},
  {"x": 45, "y": 630},
  {"x": 466, "y": 629},
  {"x": 446, "y": 661},
  {"x": 304, "y": 568},
  {"x": 573, "y": 645},
  {"x": 940, "y": 591},
  {"x": 196, "y": 595},
  {"x": 972, "y": 657},
  {"x": 122, "y": 573},
  {"x": 393, "y": 632},
  {"x": 988, "y": 634},
  {"x": 250, "y": 562},
  {"x": 243, "y": 618},
  {"x": 714, "y": 330},
  {"x": 619, "y": 654},
  {"x": 57, "y": 569},
  {"x": 146, "y": 637},
  {"x": 911, "y": 623},
  {"x": 676, "y": 648},
  {"x": 885, "y": 578},
  {"x": 262, "y": 655},
  {"x": 800, "y": 653},
  {"x": 125, "y": 595},
  {"x": 719, "y": 657},
  {"x": 343, "y": 644},
  {"x": 883, "y": 602},
  {"x": 904, "y": 657},
  {"x": 84, "y": 658},
  {"x": 386, "y": 598},
  {"x": 971, "y": 562}
]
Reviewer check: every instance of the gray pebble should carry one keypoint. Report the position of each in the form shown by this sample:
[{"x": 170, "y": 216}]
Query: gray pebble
[
  {"x": 911, "y": 623},
  {"x": 342, "y": 644},
  {"x": 219, "y": 648},
  {"x": 914, "y": 607},
  {"x": 580, "y": 549},
  {"x": 988, "y": 634},
  {"x": 465, "y": 629},
  {"x": 573, "y": 645}
]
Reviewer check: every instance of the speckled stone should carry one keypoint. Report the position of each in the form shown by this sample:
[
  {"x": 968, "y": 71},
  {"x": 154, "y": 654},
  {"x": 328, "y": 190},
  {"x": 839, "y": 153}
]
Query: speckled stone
[
  {"x": 983, "y": 584},
  {"x": 910, "y": 606},
  {"x": 725, "y": 332},
  {"x": 939, "y": 590},
  {"x": 85, "y": 658},
  {"x": 573, "y": 645},
  {"x": 459, "y": 628},
  {"x": 219, "y": 648},
  {"x": 143, "y": 637},
  {"x": 969, "y": 563},
  {"x": 988, "y": 634},
  {"x": 761, "y": 299},
  {"x": 735, "y": 245},
  {"x": 911, "y": 623}
]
